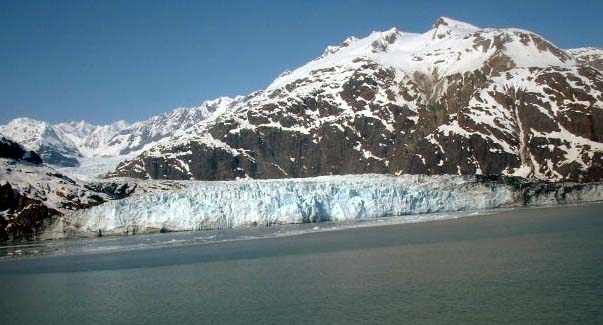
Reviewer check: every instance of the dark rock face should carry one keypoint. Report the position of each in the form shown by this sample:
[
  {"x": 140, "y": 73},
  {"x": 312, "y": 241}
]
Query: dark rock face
[
  {"x": 12, "y": 150},
  {"x": 23, "y": 218},
  {"x": 500, "y": 118},
  {"x": 33, "y": 196},
  {"x": 56, "y": 157},
  {"x": 115, "y": 191},
  {"x": 25, "y": 215},
  {"x": 442, "y": 137}
]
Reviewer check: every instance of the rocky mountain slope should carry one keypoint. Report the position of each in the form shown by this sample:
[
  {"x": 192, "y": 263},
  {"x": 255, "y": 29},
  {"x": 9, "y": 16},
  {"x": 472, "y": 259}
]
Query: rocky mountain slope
[
  {"x": 34, "y": 195},
  {"x": 456, "y": 99},
  {"x": 69, "y": 144}
]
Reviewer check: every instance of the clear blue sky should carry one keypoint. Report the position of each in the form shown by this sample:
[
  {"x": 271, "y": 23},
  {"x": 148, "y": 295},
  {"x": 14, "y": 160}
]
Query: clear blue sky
[{"x": 103, "y": 61}]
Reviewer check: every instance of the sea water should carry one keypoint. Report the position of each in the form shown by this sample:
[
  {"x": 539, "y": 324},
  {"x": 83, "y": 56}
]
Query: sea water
[{"x": 541, "y": 265}]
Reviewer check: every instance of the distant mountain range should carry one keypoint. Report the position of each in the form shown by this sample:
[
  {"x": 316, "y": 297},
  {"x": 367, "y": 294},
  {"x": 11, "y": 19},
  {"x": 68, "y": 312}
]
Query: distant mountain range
[{"x": 65, "y": 144}]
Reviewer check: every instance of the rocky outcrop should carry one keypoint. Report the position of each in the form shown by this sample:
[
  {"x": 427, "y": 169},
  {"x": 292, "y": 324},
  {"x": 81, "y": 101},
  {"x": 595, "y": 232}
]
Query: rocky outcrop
[
  {"x": 34, "y": 196},
  {"x": 22, "y": 218},
  {"x": 591, "y": 56},
  {"x": 114, "y": 190},
  {"x": 12, "y": 150}
]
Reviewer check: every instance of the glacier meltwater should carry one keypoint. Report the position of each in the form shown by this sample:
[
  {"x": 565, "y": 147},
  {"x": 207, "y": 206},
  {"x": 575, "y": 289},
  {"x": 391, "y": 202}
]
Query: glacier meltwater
[{"x": 229, "y": 204}]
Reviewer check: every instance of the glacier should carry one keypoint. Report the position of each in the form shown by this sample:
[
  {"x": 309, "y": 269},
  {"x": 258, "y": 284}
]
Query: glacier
[{"x": 205, "y": 205}]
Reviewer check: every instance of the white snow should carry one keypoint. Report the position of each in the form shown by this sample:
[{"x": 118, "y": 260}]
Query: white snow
[
  {"x": 586, "y": 53},
  {"x": 91, "y": 168},
  {"x": 33, "y": 135},
  {"x": 99, "y": 148},
  {"x": 455, "y": 23},
  {"x": 447, "y": 48}
]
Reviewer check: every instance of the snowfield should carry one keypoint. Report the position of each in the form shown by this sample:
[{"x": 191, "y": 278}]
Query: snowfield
[{"x": 229, "y": 204}]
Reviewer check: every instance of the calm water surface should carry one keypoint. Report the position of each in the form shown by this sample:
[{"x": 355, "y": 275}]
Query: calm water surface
[{"x": 520, "y": 266}]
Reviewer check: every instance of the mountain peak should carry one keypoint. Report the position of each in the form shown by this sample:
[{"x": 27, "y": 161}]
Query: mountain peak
[
  {"x": 27, "y": 121},
  {"x": 333, "y": 48},
  {"x": 445, "y": 21}
]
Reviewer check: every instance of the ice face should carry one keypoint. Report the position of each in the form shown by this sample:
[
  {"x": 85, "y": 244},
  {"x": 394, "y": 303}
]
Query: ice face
[{"x": 210, "y": 205}]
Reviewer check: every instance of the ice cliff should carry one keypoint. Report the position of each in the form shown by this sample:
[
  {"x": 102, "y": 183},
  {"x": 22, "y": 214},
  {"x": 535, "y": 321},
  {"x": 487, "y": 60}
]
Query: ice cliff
[{"x": 209, "y": 205}]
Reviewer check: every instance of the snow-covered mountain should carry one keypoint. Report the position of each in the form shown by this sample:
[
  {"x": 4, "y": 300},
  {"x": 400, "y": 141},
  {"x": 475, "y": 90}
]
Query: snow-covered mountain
[
  {"x": 70, "y": 144},
  {"x": 44, "y": 139},
  {"x": 90, "y": 139},
  {"x": 143, "y": 135},
  {"x": 457, "y": 99},
  {"x": 592, "y": 56},
  {"x": 32, "y": 194}
]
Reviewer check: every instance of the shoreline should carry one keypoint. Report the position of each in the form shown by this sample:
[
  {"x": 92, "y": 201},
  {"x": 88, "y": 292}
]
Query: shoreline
[{"x": 173, "y": 238}]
